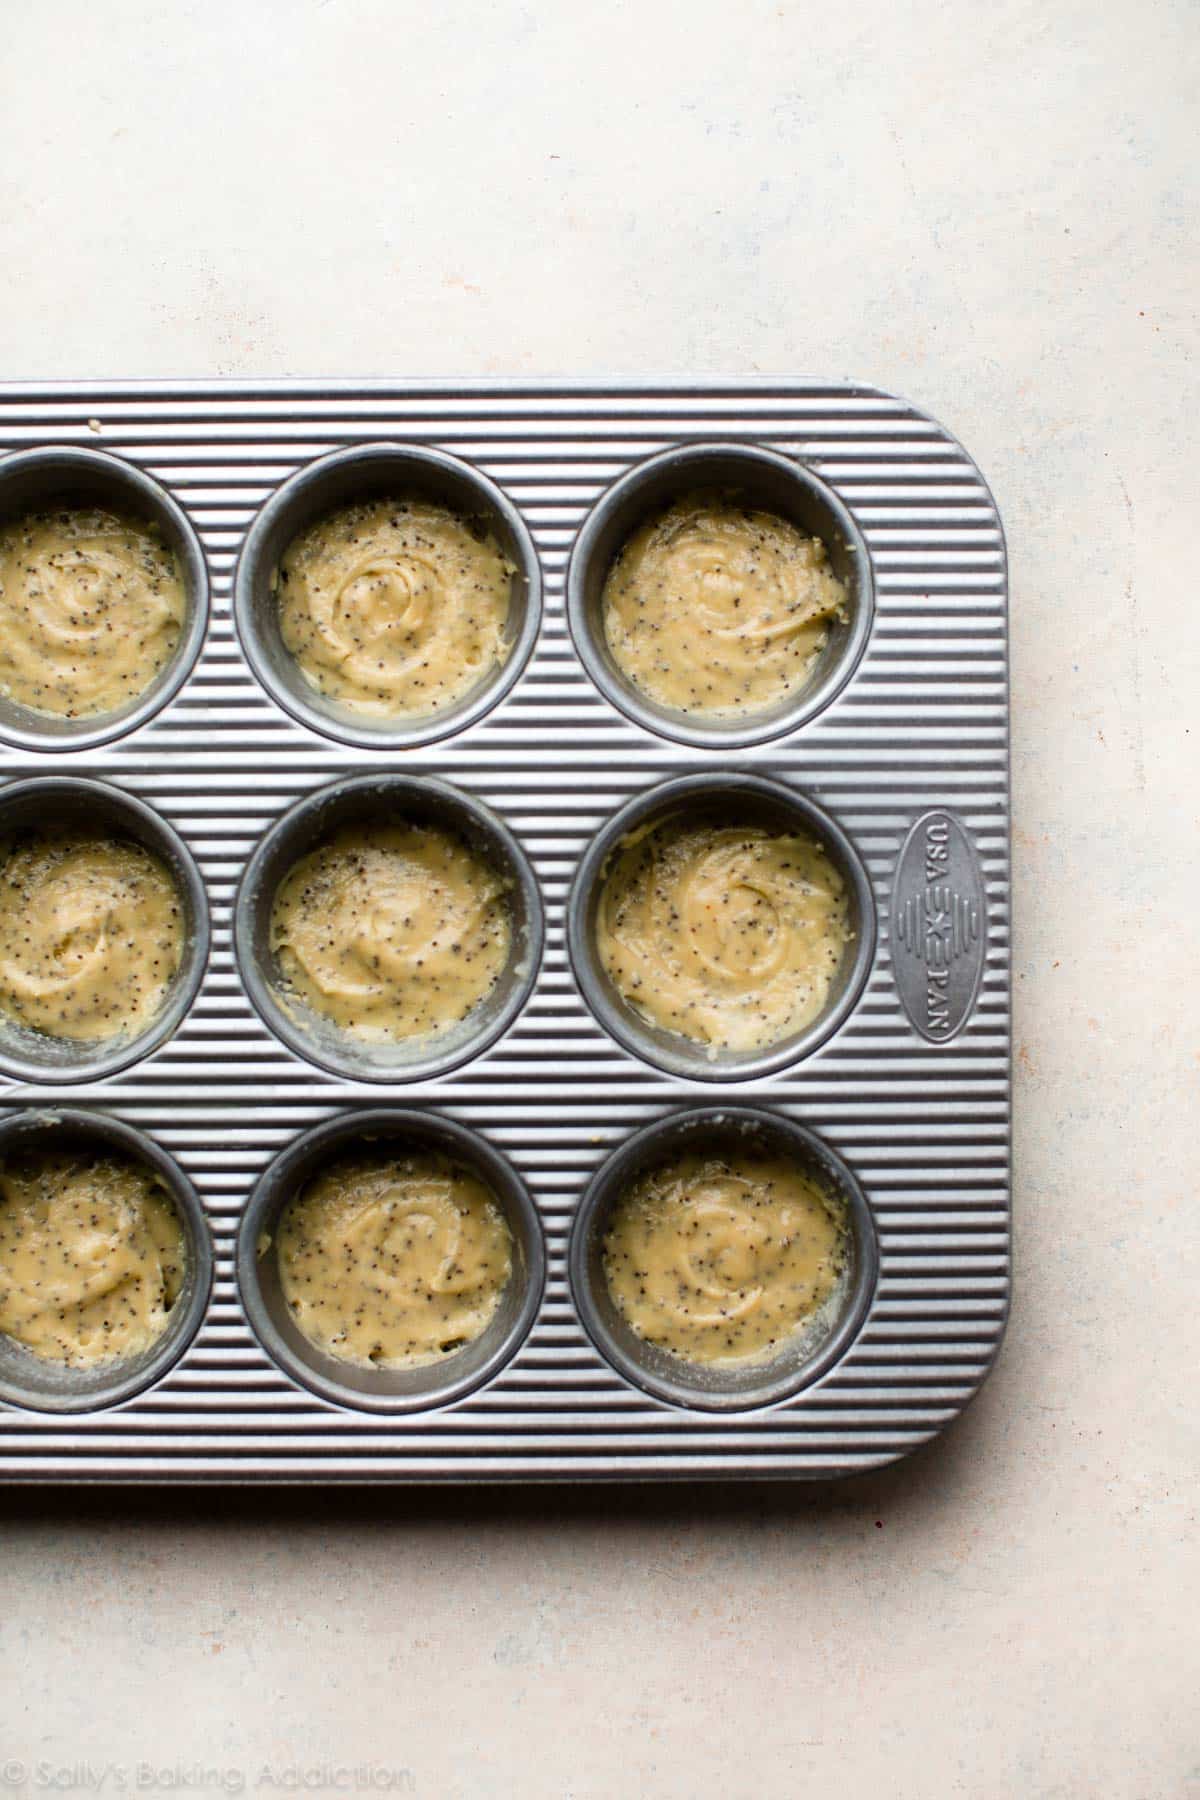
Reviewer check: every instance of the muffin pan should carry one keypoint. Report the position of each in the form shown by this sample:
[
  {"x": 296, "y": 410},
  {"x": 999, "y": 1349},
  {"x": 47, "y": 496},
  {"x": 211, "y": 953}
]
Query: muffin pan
[{"x": 901, "y": 1094}]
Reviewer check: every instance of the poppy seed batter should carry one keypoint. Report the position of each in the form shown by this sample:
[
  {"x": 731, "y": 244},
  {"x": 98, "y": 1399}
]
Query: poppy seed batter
[
  {"x": 730, "y": 935},
  {"x": 394, "y": 608},
  {"x": 717, "y": 609},
  {"x": 91, "y": 1255},
  {"x": 392, "y": 930},
  {"x": 91, "y": 934},
  {"x": 91, "y": 608},
  {"x": 720, "y": 1259},
  {"x": 395, "y": 1259}
]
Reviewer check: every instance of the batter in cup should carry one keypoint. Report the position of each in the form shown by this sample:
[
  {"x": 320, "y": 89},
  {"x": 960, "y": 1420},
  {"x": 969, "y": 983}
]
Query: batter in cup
[
  {"x": 91, "y": 1255},
  {"x": 730, "y": 935},
  {"x": 391, "y": 930},
  {"x": 393, "y": 1259},
  {"x": 720, "y": 1258},
  {"x": 394, "y": 608},
  {"x": 91, "y": 608},
  {"x": 91, "y": 934},
  {"x": 718, "y": 609}
]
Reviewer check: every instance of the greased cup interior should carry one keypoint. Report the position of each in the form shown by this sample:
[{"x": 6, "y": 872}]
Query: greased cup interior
[
  {"x": 344, "y": 478},
  {"x": 27, "y": 1380},
  {"x": 719, "y": 798},
  {"x": 42, "y": 480},
  {"x": 822, "y": 1342},
  {"x": 53, "y": 802},
  {"x": 382, "y": 1389},
  {"x": 378, "y": 799},
  {"x": 759, "y": 478}
]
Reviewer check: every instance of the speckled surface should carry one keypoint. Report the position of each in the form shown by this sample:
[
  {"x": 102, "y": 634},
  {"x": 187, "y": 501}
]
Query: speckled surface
[{"x": 989, "y": 210}]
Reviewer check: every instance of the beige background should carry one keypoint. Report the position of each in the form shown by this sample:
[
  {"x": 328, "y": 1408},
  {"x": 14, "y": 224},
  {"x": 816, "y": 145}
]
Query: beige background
[{"x": 990, "y": 209}]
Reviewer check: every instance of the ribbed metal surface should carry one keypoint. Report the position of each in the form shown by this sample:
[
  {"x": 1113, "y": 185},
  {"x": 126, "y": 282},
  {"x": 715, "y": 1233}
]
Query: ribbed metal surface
[{"x": 926, "y": 1126}]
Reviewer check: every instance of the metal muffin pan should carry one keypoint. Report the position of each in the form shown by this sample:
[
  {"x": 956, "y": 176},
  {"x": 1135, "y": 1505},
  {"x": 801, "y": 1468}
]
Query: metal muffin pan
[{"x": 906, "y": 755}]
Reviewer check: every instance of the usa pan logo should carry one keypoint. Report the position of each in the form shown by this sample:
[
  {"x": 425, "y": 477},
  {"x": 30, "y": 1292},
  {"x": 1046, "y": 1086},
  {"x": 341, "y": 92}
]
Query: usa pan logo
[{"x": 939, "y": 926}]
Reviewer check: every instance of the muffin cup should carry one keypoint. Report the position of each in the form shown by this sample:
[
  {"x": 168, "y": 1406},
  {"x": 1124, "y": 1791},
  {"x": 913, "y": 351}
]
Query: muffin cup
[
  {"x": 814, "y": 1350},
  {"x": 420, "y": 800},
  {"x": 760, "y": 478},
  {"x": 48, "y": 802},
  {"x": 750, "y": 800},
  {"x": 38, "y": 480},
  {"x": 370, "y": 472},
  {"x": 372, "y": 1389},
  {"x": 25, "y": 1380}
]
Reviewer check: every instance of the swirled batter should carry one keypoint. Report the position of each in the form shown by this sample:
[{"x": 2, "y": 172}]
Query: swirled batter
[
  {"x": 91, "y": 1255},
  {"x": 91, "y": 934},
  {"x": 91, "y": 608},
  {"x": 721, "y": 1258},
  {"x": 718, "y": 609},
  {"x": 394, "y": 1260},
  {"x": 392, "y": 930},
  {"x": 394, "y": 608},
  {"x": 729, "y": 935}
]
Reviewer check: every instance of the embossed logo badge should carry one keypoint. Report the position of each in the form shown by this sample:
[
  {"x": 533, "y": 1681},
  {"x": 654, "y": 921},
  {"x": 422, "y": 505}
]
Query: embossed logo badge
[{"x": 939, "y": 926}]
